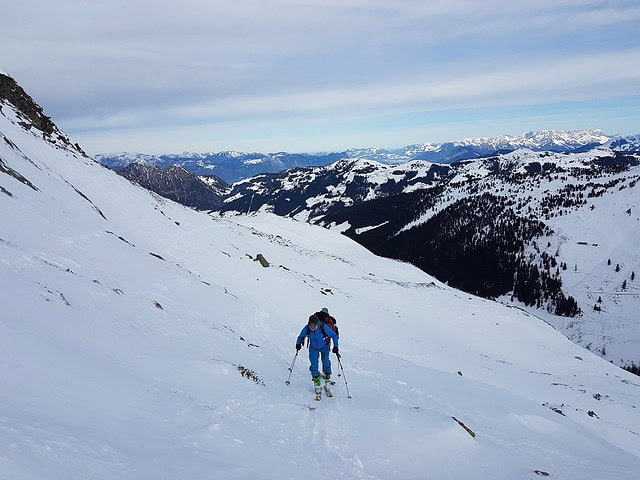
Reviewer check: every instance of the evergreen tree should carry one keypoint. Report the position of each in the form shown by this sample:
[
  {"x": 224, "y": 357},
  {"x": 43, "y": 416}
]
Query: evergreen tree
[
  {"x": 567, "y": 306},
  {"x": 633, "y": 368}
]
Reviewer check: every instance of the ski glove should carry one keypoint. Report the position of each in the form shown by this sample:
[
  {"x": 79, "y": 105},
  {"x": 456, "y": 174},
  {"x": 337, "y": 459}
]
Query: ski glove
[
  {"x": 335, "y": 350},
  {"x": 298, "y": 346}
]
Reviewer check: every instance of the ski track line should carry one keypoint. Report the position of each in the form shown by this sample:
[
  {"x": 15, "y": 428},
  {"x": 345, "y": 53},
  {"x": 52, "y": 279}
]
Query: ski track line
[{"x": 324, "y": 436}]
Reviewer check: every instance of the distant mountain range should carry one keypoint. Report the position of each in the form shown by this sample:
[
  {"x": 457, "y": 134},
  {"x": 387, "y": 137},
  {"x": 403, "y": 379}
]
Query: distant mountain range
[
  {"x": 234, "y": 166},
  {"x": 228, "y": 166}
]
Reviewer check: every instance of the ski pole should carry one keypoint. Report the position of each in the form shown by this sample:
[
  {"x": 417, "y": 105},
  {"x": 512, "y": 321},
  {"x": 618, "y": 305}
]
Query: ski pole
[
  {"x": 343, "y": 375},
  {"x": 291, "y": 368}
]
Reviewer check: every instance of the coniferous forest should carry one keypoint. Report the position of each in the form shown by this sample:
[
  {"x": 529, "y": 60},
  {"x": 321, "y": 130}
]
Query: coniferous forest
[
  {"x": 476, "y": 244},
  {"x": 633, "y": 368}
]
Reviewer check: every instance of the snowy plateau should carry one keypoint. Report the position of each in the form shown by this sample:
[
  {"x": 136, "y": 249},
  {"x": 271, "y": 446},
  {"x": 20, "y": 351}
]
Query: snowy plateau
[{"x": 140, "y": 339}]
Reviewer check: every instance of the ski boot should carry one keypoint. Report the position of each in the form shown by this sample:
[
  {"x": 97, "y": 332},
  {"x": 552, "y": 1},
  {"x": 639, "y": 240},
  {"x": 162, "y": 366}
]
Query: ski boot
[
  {"x": 327, "y": 385},
  {"x": 317, "y": 387}
]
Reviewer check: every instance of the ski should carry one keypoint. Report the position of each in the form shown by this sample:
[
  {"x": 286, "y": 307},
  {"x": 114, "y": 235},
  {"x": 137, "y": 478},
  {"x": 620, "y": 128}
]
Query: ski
[
  {"x": 327, "y": 390},
  {"x": 318, "y": 391}
]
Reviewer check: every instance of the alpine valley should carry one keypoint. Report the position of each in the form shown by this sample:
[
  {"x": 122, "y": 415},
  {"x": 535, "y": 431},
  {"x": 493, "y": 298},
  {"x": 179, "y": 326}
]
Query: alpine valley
[
  {"x": 553, "y": 232},
  {"x": 140, "y": 339}
]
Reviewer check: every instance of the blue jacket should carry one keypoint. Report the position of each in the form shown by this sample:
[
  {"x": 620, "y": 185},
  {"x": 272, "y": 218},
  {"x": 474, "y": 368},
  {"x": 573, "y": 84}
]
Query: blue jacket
[{"x": 317, "y": 339}]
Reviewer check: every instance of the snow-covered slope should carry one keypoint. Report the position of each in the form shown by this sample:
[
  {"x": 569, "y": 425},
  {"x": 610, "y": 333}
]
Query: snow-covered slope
[{"x": 139, "y": 339}]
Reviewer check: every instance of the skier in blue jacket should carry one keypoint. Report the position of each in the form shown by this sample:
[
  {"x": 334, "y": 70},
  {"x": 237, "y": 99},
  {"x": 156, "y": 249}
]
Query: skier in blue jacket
[{"x": 319, "y": 343}]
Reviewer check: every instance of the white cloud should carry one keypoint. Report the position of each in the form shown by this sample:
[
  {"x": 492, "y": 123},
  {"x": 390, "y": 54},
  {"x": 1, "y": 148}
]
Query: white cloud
[
  {"x": 123, "y": 64},
  {"x": 598, "y": 76}
]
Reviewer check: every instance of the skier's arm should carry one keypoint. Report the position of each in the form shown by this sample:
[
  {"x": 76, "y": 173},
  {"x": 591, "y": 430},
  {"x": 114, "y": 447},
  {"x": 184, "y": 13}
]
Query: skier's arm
[
  {"x": 334, "y": 337},
  {"x": 303, "y": 334}
]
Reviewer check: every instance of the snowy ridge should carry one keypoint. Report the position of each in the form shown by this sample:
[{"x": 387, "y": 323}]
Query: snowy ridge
[
  {"x": 311, "y": 192},
  {"x": 126, "y": 158},
  {"x": 141, "y": 340},
  {"x": 350, "y": 181},
  {"x": 545, "y": 140}
]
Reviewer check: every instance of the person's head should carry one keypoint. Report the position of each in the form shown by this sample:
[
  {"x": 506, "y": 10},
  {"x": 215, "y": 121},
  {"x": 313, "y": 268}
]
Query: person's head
[
  {"x": 325, "y": 310},
  {"x": 313, "y": 322}
]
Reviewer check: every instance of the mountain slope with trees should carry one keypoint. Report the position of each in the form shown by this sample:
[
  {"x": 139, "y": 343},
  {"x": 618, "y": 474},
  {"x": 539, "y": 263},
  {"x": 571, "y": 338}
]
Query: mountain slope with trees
[{"x": 512, "y": 227}]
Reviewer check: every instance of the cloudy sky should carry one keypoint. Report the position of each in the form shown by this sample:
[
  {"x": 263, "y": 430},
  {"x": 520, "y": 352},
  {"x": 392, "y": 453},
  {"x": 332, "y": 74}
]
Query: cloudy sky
[{"x": 160, "y": 76}]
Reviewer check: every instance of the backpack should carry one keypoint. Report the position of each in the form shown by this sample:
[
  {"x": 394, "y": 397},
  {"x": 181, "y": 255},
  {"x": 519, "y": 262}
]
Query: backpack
[
  {"x": 329, "y": 321},
  {"x": 325, "y": 320}
]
